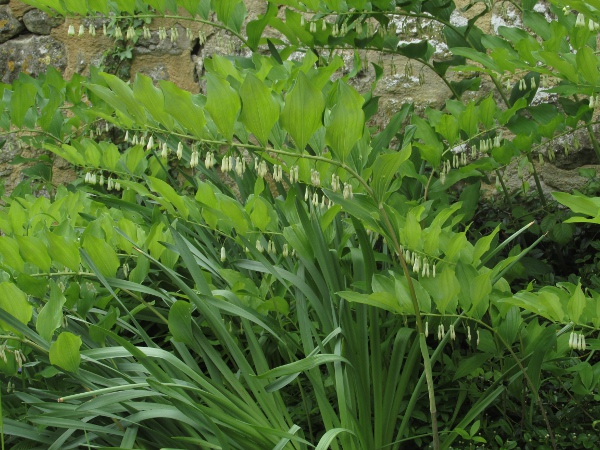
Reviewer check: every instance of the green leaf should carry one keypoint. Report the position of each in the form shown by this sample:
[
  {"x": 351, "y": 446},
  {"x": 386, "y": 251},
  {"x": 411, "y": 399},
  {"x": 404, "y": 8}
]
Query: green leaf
[
  {"x": 153, "y": 100},
  {"x": 302, "y": 365},
  {"x": 180, "y": 105},
  {"x": 579, "y": 203},
  {"x": 34, "y": 251},
  {"x": 384, "y": 169},
  {"x": 260, "y": 214},
  {"x": 469, "y": 365},
  {"x": 64, "y": 352},
  {"x": 168, "y": 194},
  {"x": 576, "y": 304},
  {"x": 14, "y": 301},
  {"x": 63, "y": 251},
  {"x": 303, "y": 111},
  {"x": 9, "y": 250},
  {"x": 102, "y": 254},
  {"x": 50, "y": 317},
  {"x": 477, "y": 56},
  {"x": 260, "y": 111},
  {"x": 22, "y": 99},
  {"x": 381, "y": 300},
  {"x": 433, "y": 148},
  {"x": 448, "y": 290},
  {"x": 469, "y": 119},
  {"x": 329, "y": 436},
  {"x": 480, "y": 289},
  {"x": 223, "y": 103},
  {"x": 125, "y": 96},
  {"x": 180, "y": 322},
  {"x": 347, "y": 120},
  {"x": 587, "y": 63},
  {"x": 255, "y": 28}
]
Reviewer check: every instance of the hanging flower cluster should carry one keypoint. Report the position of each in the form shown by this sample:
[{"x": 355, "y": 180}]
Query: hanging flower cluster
[{"x": 577, "y": 341}]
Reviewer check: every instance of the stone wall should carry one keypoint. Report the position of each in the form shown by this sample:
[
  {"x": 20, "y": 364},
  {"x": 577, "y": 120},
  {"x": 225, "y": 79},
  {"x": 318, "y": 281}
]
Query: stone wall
[{"x": 30, "y": 41}]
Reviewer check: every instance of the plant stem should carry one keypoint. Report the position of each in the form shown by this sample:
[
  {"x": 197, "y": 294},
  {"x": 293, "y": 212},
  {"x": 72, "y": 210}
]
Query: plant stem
[
  {"x": 504, "y": 189},
  {"x": 538, "y": 185}
]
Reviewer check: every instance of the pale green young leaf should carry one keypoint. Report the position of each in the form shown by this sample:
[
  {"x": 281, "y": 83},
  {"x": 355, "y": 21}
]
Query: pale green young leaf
[
  {"x": 576, "y": 304},
  {"x": 34, "y": 251},
  {"x": 223, "y": 103},
  {"x": 103, "y": 255},
  {"x": 50, "y": 317},
  {"x": 14, "y": 301},
  {"x": 63, "y": 251},
  {"x": 260, "y": 111},
  {"x": 64, "y": 352},
  {"x": 347, "y": 120},
  {"x": 303, "y": 111},
  {"x": 579, "y": 203}
]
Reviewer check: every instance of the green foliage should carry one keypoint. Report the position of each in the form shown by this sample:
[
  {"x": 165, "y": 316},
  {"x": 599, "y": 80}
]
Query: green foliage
[{"x": 286, "y": 300}]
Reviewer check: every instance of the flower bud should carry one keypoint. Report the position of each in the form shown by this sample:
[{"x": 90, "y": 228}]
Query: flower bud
[
  {"x": 71, "y": 31},
  {"x": 223, "y": 254}
]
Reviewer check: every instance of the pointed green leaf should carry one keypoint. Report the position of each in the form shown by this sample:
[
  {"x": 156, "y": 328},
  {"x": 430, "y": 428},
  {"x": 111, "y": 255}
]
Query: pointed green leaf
[
  {"x": 347, "y": 120},
  {"x": 50, "y": 317},
  {"x": 152, "y": 99},
  {"x": 471, "y": 364},
  {"x": 9, "y": 251},
  {"x": 180, "y": 322},
  {"x": 180, "y": 105},
  {"x": 168, "y": 194},
  {"x": 587, "y": 63},
  {"x": 303, "y": 111},
  {"x": 576, "y": 304},
  {"x": 302, "y": 365},
  {"x": 260, "y": 111},
  {"x": 480, "y": 289},
  {"x": 63, "y": 251},
  {"x": 448, "y": 289},
  {"x": 223, "y": 103},
  {"x": 22, "y": 99},
  {"x": 14, "y": 301},
  {"x": 34, "y": 251},
  {"x": 103, "y": 255},
  {"x": 384, "y": 169},
  {"x": 125, "y": 96},
  {"x": 381, "y": 300},
  {"x": 64, "y": 352},
  {"x": 260, "y": 214}
]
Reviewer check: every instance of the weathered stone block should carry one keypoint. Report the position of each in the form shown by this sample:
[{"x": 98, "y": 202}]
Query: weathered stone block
[
  {"x": 155, "y": 47},
  {"x": 9, "y": 24},
  {"x": 31, "y": 55},
  {"x": 39, "y": 22}
]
